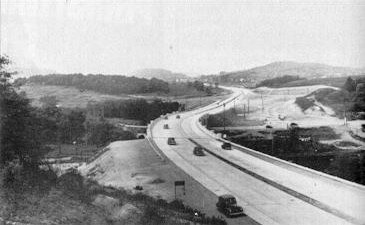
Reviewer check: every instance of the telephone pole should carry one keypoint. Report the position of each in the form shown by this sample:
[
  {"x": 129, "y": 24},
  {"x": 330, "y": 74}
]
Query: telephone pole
[
  {"x": 224, "y": 118},
  {"x": 244, "y": 111},
  {"x": 248, "y": 106},
  {"x": 262, "y": 102}
]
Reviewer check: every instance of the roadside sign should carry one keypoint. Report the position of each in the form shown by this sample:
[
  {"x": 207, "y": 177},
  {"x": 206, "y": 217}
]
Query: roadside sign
[{"x": 180, "y": 183}]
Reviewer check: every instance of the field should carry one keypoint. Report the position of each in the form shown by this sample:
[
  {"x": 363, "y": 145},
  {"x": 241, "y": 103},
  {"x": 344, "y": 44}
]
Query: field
[{"x": 68, "y": 97}]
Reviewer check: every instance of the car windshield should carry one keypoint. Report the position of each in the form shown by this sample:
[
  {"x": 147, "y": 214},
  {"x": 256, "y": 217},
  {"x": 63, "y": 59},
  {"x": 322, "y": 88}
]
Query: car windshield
[{"x": 231, "y": 201}]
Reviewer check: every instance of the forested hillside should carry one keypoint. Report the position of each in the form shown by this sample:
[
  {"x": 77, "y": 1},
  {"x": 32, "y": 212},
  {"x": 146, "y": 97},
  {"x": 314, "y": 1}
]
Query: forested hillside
[
  {"x": 110, "y": 84},
  {"x": 278, "y": 81}
]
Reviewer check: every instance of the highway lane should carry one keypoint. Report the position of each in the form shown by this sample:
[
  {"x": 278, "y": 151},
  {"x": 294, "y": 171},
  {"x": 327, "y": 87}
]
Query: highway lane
[{"x": 266, "y": 203}]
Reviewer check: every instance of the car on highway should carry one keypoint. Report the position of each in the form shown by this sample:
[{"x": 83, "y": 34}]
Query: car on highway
[
  {"x": 198, "y": 151},
  {"x": 171, "y": 141},
  {"x": 227, "y": 205},
  {"x": 165, "y": 126},
  {"x": 227, "y": 146},
  {"x": 177, "y": 116}
]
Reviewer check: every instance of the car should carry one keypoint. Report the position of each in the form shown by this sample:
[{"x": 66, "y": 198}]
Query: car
[
  {"x": 171, "y": 141},
  {"x": 165, "y": 126},
  {"x": 227, "y": 146},
  {"x": 177, "y": 116},
  {"x": 363, "y": 127},
  {"x": 198, "y": 151},
  {"x": 227, "y": 205},
  {"x": 166, "y": 117}
]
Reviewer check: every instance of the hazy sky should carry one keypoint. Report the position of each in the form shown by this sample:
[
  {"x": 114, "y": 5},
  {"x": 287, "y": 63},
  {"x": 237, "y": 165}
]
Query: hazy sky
[{"x": 118, "y": 37}]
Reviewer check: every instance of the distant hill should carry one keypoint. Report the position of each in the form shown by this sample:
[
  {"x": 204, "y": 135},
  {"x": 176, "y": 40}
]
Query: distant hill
[
  {"x": 306, "y": 70},
  {"x": 278, "y": 69},
  {"x": 161, "y": 74}
]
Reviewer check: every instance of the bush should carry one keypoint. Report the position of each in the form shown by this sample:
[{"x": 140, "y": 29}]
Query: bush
[
  {"x": 151, "y": 216},
  {"x": 304, "y": 103}
]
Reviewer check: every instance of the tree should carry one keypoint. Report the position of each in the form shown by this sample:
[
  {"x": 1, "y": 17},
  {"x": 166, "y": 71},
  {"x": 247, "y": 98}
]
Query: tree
[
  {"x": 19, "y": 126},
  {"x": 350, "y": 85},
  {"x": 71, "y": 126}
]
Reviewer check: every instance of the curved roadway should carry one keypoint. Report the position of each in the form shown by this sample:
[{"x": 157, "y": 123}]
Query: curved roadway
[{"x": 271, "y": 191}]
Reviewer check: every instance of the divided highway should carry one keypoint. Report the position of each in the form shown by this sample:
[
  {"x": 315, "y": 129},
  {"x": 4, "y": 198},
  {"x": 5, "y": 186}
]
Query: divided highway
[{"x": 271, "y": 191}]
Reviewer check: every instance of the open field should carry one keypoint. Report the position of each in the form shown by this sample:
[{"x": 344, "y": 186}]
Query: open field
[{"x": 68, "y": 97}]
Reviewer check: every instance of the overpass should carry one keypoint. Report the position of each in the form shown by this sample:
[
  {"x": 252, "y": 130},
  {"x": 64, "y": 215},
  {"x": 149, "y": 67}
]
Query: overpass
[{"x": 271, "y": 190}]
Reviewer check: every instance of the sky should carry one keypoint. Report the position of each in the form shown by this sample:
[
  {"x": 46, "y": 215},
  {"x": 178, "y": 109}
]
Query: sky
[{"x": 194, "y": 37}]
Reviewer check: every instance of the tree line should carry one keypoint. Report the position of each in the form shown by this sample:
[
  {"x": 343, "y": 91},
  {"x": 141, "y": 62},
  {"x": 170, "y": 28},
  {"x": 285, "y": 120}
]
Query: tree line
[
  {"x": 138, "y": 109},
  {"x": 107, "y": 84},
  {"x": 278, "y": 81},
  {"x": 116, "y": 84},
  {"x": 355, "y": 89}
]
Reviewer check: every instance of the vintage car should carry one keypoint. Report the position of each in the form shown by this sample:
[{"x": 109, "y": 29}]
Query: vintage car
[
  {"x": 198, "y": 151},
  {"x": 227, "y": 205},
  {"x": 227, "y": 146},
  {"x": 171, "y": 141}
]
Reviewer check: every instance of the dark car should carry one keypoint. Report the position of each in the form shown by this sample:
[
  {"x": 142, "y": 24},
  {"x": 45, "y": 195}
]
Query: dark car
[
  {"x": 171, "y": 141},
  {"x": 198, "y": 151},
  {"x": 227, "y": 146},
  {"x": 177, "y": 116},
  {"x": 166, "y": 117},
  {"x": 227, "y": 205},
  {"x": 165, "y": 126}
]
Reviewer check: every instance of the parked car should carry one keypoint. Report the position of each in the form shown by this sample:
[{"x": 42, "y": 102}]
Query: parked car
[
  {"x": 227, "y": 204},
  {"x": 363, "y": 127},
  {"x": 177, "y": 116},
  {"x": 198, "y": 151},
  {"x": 165, "y": 126},
  {"x": 227, "y": 146},
  {"x": 171, "y": 141},
  {"x": 166, "y": 117}
]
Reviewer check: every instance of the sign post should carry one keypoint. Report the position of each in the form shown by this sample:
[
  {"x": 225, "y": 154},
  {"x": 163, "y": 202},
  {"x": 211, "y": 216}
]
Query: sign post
[{"x": 179, "y": 183}]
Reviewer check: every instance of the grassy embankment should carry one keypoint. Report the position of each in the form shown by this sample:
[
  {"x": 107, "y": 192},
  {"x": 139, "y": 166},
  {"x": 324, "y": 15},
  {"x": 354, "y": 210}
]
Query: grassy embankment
[{"x": 72, "y": 199}]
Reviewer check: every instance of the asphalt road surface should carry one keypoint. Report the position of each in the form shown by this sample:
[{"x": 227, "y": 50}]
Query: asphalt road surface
[{"x": 270, "y": 190}]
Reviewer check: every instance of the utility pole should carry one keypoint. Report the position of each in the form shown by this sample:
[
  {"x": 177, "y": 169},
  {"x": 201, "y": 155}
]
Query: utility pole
[
  {"x": 248, "y": 106},
  {"x": 244, "y": 111},
  {"x": 262, "y": 102},
  {"x": 224, "y": 118},
  {"x": 272, "y": 143},
  {"x": 234, "y": 105},
  {"x": 345, "y": 116}
]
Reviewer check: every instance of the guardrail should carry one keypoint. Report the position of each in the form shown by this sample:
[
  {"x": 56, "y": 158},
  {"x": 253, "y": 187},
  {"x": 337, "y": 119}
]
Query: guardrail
[{"x": 280, "y": 162}]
